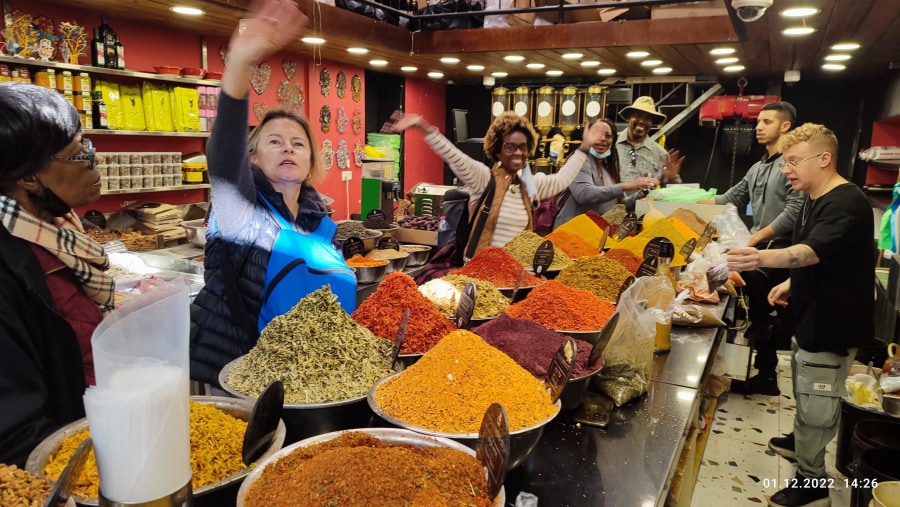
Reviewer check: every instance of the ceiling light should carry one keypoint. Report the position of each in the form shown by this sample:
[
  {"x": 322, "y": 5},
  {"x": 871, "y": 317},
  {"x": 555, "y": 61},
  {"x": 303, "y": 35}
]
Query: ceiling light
[
  {"x": 722, "y": 51},
  {"x": 409, "y": 68},
  {"x": 834, "y": 66},
  {"x": 662, "y": 70},
  {"x": 475, "y": 68},
  {"x": 378, "y": 63},
  {"x": 798, "y": 31},
  {"x": 450, "y": 60},
  {"x": 313, "y": 40},
  {"x": 357, "y": 51},
  {"x": 727, "y": 60},
  {"x": 499, "y": 74},
  {"x": 799, "y": 12},
  {"x": 845, "y": 46},
  {"x": 435, "y": 75},
  {"x": 637, "y": 54},
  {"x": 554, "y": 73},
  {"x": 606, "y": 72},
  {"x": 590, "y": 63},
  {"x": 651, "y": 63},
  {"x": 734, "y": 68},
  {"x": 837, "y": 58},
  {"x": 572, "y": 56},
  {"x": 187, "y": 11},
  {"x": 535, "y": 65},
  {"x": 514, "y": 58}
]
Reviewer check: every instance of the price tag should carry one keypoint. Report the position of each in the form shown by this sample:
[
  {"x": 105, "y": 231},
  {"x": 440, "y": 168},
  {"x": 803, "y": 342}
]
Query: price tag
[
  {"x": 401, "y": 335},
  {"x": 543, "y": 257},
  {"x": 627, "y": 283},
  {"x": 512, "y": 298},
  {"x": 605, "y": 335},
  {"x": 653, "y": 246},
  {"x": 560, "y": 369},
  {"x": 353, "y": 246},
  {"x": 603, "y": 239},
  {"x": 648, "y": 267},
  {"x": 705, "y": 237},
  {"x": 466, "y": 306},
  {"x": 688, "y": 248},
  {"x": 493, "y": 447},
  {"x": 376, "y": 213},
  {"x": 628, "y": 224},
  {"x": 390, "y": 243},
  {"x": 95, "y": 217}
]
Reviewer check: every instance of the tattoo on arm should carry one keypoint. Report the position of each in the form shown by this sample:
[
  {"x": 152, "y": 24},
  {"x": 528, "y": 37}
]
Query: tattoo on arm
[{"x": 799, "y": 256}]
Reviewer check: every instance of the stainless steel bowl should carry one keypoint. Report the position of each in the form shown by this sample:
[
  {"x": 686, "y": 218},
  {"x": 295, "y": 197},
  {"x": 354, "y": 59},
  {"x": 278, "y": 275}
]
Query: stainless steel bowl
[
  {"x": 207, "y": 496},
  {"x": 588, "y": 336},
  {"x": 370, "y": 274},
  {"x": 195, "y": 231},
  {"x": 891, "y": 404},
  {"x": 521, "y": 442},
  {"x": 418, "y": 254},
  {"x": 522, "y": 294},
  {"x": 398, "y": 264},
  {"x": 573, "y": 393},
  {"x": 388, "y": 435},
  {"x": 310, "y": 419}
]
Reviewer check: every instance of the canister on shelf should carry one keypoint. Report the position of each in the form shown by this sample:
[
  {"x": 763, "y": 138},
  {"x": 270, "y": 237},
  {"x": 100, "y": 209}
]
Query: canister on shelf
[
  {"x": 83, "y": 116},
  {"x": 83, "y": 83},
  {"x": 70, "y": 97},
  {"x": 21, "y": 74},
  {"x": 64, "y": 82},
  {"x": 193, "y": 173},
  {"x": 5, "y": 74},
  {"x": 42, "y": 78},
  {"x": 79, "y": 101}
]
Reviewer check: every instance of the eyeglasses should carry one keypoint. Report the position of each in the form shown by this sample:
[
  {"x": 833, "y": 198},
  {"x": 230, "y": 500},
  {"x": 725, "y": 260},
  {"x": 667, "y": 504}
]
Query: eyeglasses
[
  {"x": 633, "y": 157},
  {"x": 795, "y": 163},
  {"x": 513, "y": 147},
  {"x": 87, "y": 154}
]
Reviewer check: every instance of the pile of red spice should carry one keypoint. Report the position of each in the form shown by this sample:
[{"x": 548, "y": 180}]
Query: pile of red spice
[
  {"x": 601, "y": 222},
  {"x": 382, "y": 312},
  {"x": 626, "y": 258},
  {"x": 498, "y": 267},
  {"x": 557, "y": 306}
]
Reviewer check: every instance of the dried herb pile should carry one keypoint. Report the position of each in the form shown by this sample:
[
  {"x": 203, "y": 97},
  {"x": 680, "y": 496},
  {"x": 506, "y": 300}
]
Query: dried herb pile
[
  {"x": 317, "y": 351},
  {"x": 525, "y": 245},
  {"x": 557, "y": 306},
  {"x": 498, "y": 267},
  {"x": 602, "y": 276},
  {"x": 354, "y": 228},
  {"x": 444, "y": 292}
]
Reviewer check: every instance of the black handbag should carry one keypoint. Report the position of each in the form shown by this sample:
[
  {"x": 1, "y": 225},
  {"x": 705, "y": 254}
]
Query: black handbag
[{"x": 450, "y": 23}]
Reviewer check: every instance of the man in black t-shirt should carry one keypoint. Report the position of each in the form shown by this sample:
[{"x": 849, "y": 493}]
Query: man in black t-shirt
[{"x": 831, "y": 287}]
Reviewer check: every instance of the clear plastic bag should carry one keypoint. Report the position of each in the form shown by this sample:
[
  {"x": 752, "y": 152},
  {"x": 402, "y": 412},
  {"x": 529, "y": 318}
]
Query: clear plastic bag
[{"x": 732, "y": 231}]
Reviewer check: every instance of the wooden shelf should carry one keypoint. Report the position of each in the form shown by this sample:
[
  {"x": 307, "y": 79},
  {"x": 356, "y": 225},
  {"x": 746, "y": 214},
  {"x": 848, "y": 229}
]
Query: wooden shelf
[
  {"x": 110, "y": 72},
  {"x": 154, "y": 189},
  {"x": 108, "y": 132}
]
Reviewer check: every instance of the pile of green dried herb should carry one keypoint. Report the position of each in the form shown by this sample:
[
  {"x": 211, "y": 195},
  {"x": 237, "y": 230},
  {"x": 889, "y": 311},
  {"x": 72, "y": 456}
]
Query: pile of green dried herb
[
  {"x": 525, "y": 245},
  {"x": 317, "y": 351}
]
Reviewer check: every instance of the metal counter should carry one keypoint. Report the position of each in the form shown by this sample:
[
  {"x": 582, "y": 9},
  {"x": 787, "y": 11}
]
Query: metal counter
[{"x": 693, "y": 349}]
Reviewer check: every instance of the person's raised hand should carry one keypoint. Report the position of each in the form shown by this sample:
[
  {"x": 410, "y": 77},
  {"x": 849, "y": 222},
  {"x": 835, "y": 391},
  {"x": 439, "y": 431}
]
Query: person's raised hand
[
  {"x": 268, "y": 27},
  {"x": 400, "y": 122},
  {"x": 673, "y": 168}
]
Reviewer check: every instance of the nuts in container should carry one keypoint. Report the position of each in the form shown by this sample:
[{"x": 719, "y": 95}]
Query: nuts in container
[{"x": 19, "y": 488}]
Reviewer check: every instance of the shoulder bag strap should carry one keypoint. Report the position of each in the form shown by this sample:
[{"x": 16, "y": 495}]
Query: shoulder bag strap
[{"x": 482, "y": 210}]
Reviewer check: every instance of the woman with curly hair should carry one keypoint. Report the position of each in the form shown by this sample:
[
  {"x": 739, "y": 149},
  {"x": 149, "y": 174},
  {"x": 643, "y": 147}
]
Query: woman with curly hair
[{"x": 509, "y": 141}]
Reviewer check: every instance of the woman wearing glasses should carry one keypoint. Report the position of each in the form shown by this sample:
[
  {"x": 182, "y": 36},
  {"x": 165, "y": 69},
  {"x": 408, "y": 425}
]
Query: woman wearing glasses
[
  {"x": 54, "y": 289},
  {"x": 509, "y": 141},
  {"x": 598, "y": 185}
]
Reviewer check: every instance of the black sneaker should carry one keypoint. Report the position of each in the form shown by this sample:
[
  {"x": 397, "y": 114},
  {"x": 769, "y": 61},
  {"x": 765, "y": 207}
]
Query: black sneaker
[
  {"x": 757, "y": 384},
  {"x": 783, "y": 446},
  {"x": 801, "y": 496}
]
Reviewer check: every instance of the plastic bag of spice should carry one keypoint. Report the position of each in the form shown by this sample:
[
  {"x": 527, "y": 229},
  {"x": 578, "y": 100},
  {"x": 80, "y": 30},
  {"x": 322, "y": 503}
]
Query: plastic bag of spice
[
  {"x": 629, "y": 355},
  {"x": 731, "y": 230}
]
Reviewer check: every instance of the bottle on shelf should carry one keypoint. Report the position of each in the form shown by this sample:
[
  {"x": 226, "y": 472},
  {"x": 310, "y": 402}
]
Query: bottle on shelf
[
  {"x": 99, "y": 111},
  {"x": 98, "y": 53},
  {"x": 120, "y": 54},
  {"x": 109, "y": 38}
]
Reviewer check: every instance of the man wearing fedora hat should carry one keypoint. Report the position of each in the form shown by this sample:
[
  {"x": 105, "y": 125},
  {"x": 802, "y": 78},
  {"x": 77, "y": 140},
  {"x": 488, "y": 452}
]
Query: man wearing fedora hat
[{"x": 638, "y": 155}]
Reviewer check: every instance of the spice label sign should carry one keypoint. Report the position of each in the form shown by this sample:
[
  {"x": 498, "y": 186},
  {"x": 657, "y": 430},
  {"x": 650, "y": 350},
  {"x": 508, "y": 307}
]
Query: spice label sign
[
  {"x": 653, "y": 246},
  {"x": 627, "y": 283},
  {"x": 388, "y": 244},
  {"x": 605, "y": 334},
  {"x": 560, "y": 369},
  {"x": 603, "y": 239},
  {"x": 648, "y": 267},
  {"x": 401, "y": 335},
  {"x": 629, "y": 223},
  {"x": 493, "y": 447},
  {"x": 376, "y": 213},
  {"x": 353, "y": 246},
  {"x": 543, "y": 257},
  {"x": 466, "y": 306},
  {"x": 705, "y": 237},
  {"x": 688, "y": 248}
]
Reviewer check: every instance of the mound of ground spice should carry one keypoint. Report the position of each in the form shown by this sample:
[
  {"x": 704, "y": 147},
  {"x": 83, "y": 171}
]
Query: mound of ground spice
[
  {"x": 599, "y": 220},
  {"x": 449, "y": 388},
  {"x": 557, "y": 306},
  {"x": 382, "y": 312},
  {"x": 525, "y": 245},
  {"x": 584, "y": 228},
  {"x": 445, "y": 292},
  {"x": 571, "y": 244},
  {"x": 626, "y": 258},
  {"x": 602, "y": 276},
  {"x": 690, "y": 219},
  {"x": 498, "y": 267},
  {"x": 532, "y": 346},
  {"x": 358, "y": 261},
  {"x": 359, "y": 469},
  {"x": 683, "y": 229}
]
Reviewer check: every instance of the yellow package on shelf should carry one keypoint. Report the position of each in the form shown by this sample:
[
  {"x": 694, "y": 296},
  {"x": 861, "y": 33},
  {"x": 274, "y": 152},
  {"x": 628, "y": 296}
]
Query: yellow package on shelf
[
  {"x": 113, "y": 99},
  {"x": 157, "y": 107},
  {"x": 186, "y": 109},
  {"x": 132, "y": 107}
]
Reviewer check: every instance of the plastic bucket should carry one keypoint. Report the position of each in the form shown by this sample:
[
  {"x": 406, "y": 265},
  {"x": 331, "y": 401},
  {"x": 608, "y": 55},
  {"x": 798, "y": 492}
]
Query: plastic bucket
[
  {"x": 875, "y": 434},
  {"x": 850, "y": 416},
  {"x": 875, "y": 466}
]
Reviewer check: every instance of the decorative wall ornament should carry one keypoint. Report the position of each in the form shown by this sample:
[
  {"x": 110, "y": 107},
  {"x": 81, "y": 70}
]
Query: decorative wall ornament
[
  {"x": 343, "y": 155},
  {"x": 357, "y": 121},
  {"x": 290, "y": 96},
  {"x": 341, "y": 84},
  {"x": 260, "y": 110},
  {"x": 23, "y": 35},
  {"x": 327, "y": 154},
  {"x": 356, "y": 87},
  {"x": 325, "y": 118},
  {"x": 73, "y": 42},
  {"x": 325, "y": 81},
  {"x": 342, "y": 120},
  {"x": 259, "y": 79},
  {"x": 358, "y": 153},
  {"x": 289, "y": 68}
]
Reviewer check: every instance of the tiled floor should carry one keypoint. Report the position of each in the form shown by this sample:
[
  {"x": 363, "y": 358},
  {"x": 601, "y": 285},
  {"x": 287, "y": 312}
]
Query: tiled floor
[{"x": 737, "y": 467}]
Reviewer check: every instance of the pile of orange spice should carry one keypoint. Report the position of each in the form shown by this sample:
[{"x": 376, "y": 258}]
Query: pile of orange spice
[
  {"x": 571, "y": 244},
  {"x": 358, "y": 261},
  {"x": 626, "y": 258},
  {"x": 557, "y": 306}
]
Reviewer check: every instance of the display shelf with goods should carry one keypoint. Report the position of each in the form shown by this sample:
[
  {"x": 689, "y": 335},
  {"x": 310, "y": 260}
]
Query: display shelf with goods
[
  {"x": 108, "y": 132},
  {"x": 170, "y": 78}
]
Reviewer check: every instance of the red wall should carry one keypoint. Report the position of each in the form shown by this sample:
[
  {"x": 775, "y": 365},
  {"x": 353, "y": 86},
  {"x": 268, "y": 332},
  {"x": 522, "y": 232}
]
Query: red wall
[{"x": 420, "y": 163}]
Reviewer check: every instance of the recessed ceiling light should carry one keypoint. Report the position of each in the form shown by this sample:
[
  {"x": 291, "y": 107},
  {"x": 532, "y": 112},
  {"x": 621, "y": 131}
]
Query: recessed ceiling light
[
  {"x": 313, "y": 40},
  {"x": 722, "y": 51},
  {"x": 651, "y": 63},
  {"x": 535, "y": 65},
  {"x": 435, "y": 75},
  {"x": 798, "y": 31},
  {"x": 662, "y": 70},
  {"x": 726, "y": 60},
  {"x": 572, "y": 56},
  {"x": 837, "y": 58},
  {"x": 357, "y": 51},
  {"x": 606, "y": 72},
  {"x": 734, "y": 68},
  {"x": 187, "y": 11},
  {"x": 590, "y": 63},
  {"x": 450, "y": 60},
  {"x": 845, "y": 46},
  {"x": 637, "y": 54},
  {"x": 409, "y": 68},
  {"x": 476, "y": 68},
  {"x": 378, "y": 63},
  {"x": 834, "y": 66},
  {"x": 514, "y": 58},
  {"x": 499, "y": 74},
  {"x": 554, "y": 73},
  {"x": 799, "y": 12}
]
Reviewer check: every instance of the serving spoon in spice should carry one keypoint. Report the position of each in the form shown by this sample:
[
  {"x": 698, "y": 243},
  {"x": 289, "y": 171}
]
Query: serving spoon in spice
[{"x": 263, "y": 422}]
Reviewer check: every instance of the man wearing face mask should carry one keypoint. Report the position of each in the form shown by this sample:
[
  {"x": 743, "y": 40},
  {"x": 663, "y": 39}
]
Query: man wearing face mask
[
  {"x": 54, "y": 288},
  {"x": 638, "y": 155}
]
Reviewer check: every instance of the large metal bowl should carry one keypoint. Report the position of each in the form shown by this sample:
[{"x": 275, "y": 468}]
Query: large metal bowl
[
  {"x": 418, "y": 254},
  {"x": 522, "y": 294},
  {"x": 388, "y": 435},
  {"x": 370, "y": 274},
  {"x": 212, "y": 495},
  {"x": 195, "y": 231},
  {"x": 573, "y": 393},
  {"x": 310, "y": 419},
  {"x": 521, "y": 442}
]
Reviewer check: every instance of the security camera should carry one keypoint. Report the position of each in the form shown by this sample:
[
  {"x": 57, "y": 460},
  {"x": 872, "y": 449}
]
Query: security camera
[{"x": 750, "y": 10}]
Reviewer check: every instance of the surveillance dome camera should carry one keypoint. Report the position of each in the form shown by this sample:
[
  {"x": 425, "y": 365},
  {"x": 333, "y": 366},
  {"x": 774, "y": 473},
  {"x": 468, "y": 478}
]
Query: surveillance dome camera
[{"x": 750, "y": 10}]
